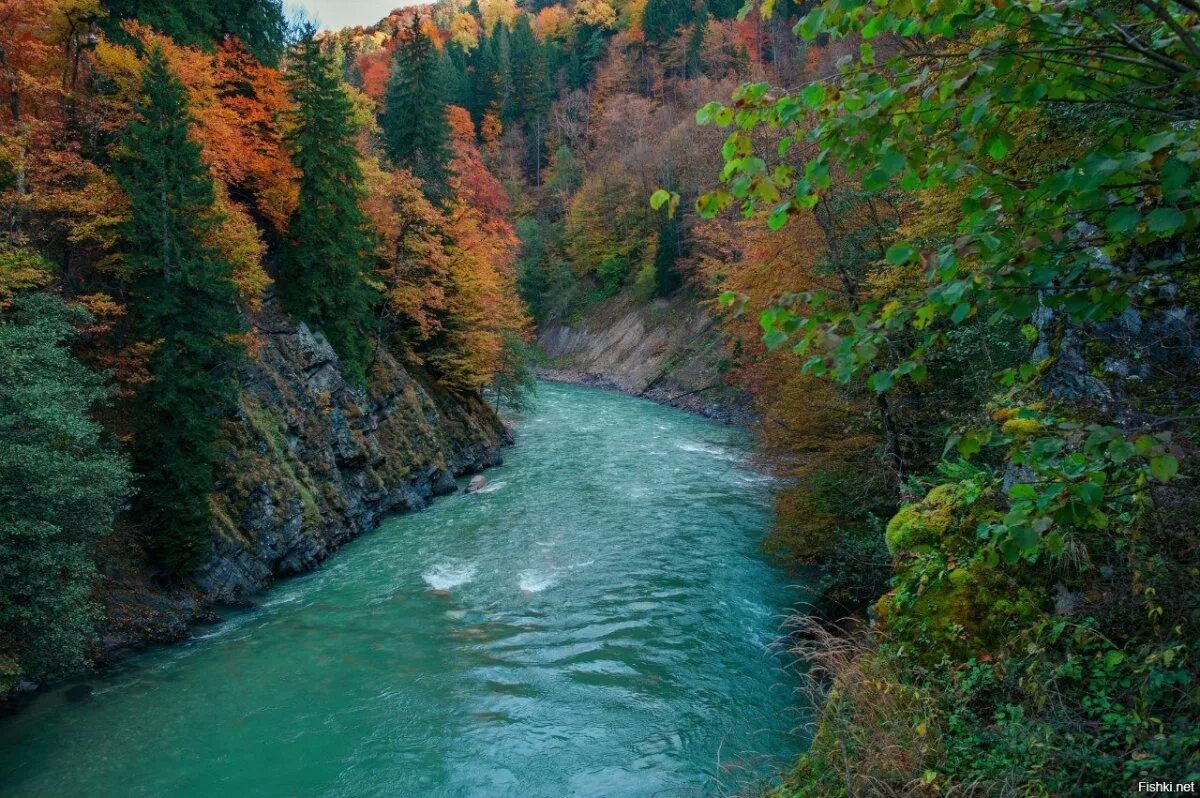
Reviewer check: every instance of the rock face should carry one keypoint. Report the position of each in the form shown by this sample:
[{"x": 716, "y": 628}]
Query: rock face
[
  {"x": 312, "y": 463},
  {"x": 670, "y": 351}
]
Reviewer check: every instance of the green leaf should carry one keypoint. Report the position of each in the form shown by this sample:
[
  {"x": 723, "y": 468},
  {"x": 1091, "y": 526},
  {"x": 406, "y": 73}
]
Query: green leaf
[
  {"x": 659, "y": 198},
  {"x": 1123, "y": 219},
  {"x": 999, "y": 146},
  {"x": 880, "y": 381},
  {"x": 1022, "y": 492},
  {"x": 775, "y": 339},
  {"x": 1165, "y": 220},
  {"x": 813, "y": 95},
  {"x": 1120, "y": 450},
  {"x": 900, "y": 252},
  {"x": 1164, "y": 467}
]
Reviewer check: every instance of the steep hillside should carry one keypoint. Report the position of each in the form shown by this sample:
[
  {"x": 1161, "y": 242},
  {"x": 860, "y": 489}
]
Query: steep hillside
[
  {"x": 309, "y": 463},
  {"x": 669, "y": 350}
]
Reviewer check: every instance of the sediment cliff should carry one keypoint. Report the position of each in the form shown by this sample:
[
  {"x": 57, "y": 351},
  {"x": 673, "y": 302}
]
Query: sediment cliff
[{"x": 670, "y": 351}]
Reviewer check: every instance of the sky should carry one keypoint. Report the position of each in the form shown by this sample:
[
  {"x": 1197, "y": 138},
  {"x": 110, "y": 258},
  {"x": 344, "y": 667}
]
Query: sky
[{"x": 345, "y": 13}]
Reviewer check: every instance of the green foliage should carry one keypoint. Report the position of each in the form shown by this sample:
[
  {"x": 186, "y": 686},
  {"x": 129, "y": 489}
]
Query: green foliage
[
  {"x": 529, "y": 98},
  {"x": 544, "y": 279},
  {"x": 666, "y": 257},
  {"x": 60, "y": 489},
  {"x": 323, "y": 279},
  {"x": 415, "y": 131},
  {"x": 612, "y": 272},
  {"x": 184, "y": 304},
  {"x": 514, "y": 382},
  {"x": 1057, "y": 186},
  {"x": 663, "y": 18},
  {"x": 259, "y": 24}
]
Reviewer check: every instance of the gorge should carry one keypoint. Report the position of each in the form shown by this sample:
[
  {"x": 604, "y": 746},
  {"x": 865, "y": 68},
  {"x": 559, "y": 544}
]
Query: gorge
[{"x": 596, "y": 621}]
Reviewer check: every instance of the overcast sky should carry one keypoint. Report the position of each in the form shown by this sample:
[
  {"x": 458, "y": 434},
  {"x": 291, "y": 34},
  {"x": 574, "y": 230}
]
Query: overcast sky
[{"x": 344, "y": 13}]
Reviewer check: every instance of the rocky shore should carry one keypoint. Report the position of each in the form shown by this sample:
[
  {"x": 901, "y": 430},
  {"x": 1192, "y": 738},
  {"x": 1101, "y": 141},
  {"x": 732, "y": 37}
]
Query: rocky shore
[
  {"x": 669, "y": 351},
  {"x": 313, "y": 463}
]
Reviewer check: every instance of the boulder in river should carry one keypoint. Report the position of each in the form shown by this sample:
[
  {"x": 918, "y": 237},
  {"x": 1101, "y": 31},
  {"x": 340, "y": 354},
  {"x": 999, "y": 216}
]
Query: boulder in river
[{"x": 477, "y": 483}]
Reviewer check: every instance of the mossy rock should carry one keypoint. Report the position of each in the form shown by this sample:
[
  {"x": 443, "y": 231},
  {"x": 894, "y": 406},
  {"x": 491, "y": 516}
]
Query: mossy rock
[
  {"x": 1021, "y": 429},
  {"x": 927, "y": 521},
  {"x": 961, "y": 612}
]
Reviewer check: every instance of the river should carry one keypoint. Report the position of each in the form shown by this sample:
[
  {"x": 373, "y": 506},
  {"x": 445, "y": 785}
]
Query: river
[{"x": 597, "y": 622}]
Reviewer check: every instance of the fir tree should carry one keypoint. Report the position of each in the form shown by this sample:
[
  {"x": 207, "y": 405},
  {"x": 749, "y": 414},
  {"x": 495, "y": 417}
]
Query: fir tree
[
  {"x": 184, "y": 306},
  {"x": 327, "y": 254},
  {"x": 414, "y": 123},
  {"x": 664, "y": 18},
  {"x": 259, "y": 24},
  {"x": 530, "y": 98}
]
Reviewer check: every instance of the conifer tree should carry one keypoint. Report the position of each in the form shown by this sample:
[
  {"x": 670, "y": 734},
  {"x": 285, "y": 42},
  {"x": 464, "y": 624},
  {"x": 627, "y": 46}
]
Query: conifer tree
[
  {"x": 664, "y": 18},
  {"x": 259, "y": 24},
  {"x": 530, "y": 98},
  {"x": 322, "y": 280},
  {"x": 184, "y": 305},
  {"x": 61, "y": 486},
  {"x": 414, "y": 123},
  {"x": 670, "y": 248},
  {"x": 530, "y": 85}
]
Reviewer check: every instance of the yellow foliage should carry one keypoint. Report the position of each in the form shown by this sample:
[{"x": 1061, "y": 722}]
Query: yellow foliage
[{"x": 240, "y": 243}]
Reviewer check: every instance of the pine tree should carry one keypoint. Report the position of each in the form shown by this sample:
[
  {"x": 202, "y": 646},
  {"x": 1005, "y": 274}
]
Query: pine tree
[
  {"x": 327, "y": 254},
  {"x": 414, "y": 122},
  {"x": 184, "y": 305}
]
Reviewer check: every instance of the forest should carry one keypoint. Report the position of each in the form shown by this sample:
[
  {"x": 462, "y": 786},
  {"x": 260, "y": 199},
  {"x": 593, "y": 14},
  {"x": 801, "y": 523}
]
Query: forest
[{"x": 949, "y": 250}]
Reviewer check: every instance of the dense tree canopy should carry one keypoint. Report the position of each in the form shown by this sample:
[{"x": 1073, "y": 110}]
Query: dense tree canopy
[
  {"x": 258, "y": 23},
  {"x": 61, "y": 485},
  {"x": 323, "y": 279},
  {"x": 414, "y": 119},
  {"x": 184, "y": 304}
]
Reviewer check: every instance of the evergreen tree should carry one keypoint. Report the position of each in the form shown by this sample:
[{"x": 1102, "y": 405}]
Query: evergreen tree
[
  {"x": 483, "y": 68},
  {"x": 259, "y": 24},
  {"x": 694, "y": 61},
  {"x": 664, "y": 18},
  {"x": 530, "y": 97},
  {"x": 728, "y": 9},
  {"x": 328, "y": 250},
  {"x": 60, "y": 488},
  {"x": 586, "y": 51},
  {"x": 184, "y": 305},
  {"x": 670, "y": 249},
  {"x": 414, "y": 123}
]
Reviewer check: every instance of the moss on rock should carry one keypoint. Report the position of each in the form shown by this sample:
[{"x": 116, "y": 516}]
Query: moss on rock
[{"x": 925, "y": 522}]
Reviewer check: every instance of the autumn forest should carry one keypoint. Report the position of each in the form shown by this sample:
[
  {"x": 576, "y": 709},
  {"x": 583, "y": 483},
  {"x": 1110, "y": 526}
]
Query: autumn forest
[{"x": 264, "y": 285}]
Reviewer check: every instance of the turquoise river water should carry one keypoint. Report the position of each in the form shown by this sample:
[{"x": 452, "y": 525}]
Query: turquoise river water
[{"x": 597, "y": 622}]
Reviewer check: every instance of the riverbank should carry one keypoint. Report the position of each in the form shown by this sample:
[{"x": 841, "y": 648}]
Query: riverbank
[
  {"x": 691, "y": 401},
  {"x": 312, "y": 463},
  {"x": 669, "y": 351}
]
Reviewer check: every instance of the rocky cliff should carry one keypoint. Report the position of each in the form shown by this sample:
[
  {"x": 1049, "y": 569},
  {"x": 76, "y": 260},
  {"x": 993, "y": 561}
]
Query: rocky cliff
[
  {"x": 312, "y": 463},
  {"x": 670, "y": 351}
]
